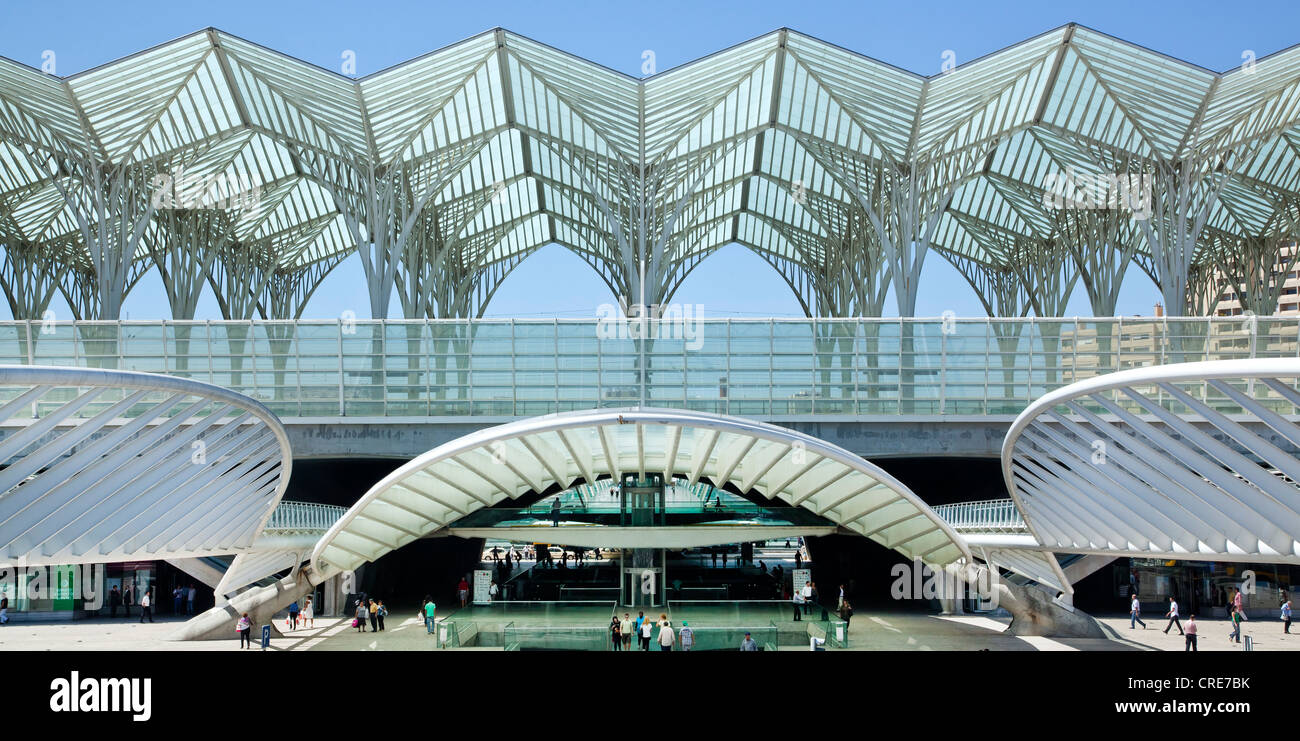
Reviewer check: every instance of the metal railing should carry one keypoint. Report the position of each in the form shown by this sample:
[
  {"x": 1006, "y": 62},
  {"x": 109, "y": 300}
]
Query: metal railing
[
  {"x": 989, "y": 516},
  {"x": 304, "y": 516},
  {"x": 750, "y": 367}
]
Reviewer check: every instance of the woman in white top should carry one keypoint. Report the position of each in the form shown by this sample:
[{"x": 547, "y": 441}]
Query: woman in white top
[
  {"x": 307, "y": 614},
  {"x": 647, "y": 630}
]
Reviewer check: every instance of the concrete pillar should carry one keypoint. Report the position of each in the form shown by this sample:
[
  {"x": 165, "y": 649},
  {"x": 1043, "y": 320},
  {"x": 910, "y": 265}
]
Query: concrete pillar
[{"x": 261, "y": 604}]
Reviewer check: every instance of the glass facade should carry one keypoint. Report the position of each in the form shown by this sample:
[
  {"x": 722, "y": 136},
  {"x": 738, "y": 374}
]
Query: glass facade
[
  {"x": 761, "y": 368},
  {"x": 74, "y": 589},
  {"x": 1204, "y": 587}
]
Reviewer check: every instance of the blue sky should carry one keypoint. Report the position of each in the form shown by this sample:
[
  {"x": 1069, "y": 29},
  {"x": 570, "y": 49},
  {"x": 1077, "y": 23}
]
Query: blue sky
[{"x": 733, "y": 281}]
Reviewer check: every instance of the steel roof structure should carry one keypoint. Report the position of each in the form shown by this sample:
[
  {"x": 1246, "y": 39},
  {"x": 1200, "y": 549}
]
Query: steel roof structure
[{"x": 1056, "y": 162}]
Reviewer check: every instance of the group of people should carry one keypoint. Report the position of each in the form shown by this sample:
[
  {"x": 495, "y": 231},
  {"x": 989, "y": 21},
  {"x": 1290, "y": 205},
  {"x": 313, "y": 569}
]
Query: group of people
[
  {"x": 643, "y": 629},
  {"x": 1236, "y": 615},
  {"x": 372, "y": 609},
  {"x": 124, "y": 598},
  {"x": 306, "y": 613},
  {"x": 183, "y": 599},
  {"x": 621, "y": 633}
]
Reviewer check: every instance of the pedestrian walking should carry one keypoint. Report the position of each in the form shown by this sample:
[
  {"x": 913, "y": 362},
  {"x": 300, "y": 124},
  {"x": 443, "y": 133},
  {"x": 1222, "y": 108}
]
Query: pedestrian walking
[
  {"x": 146, "y": 606},
  {"x": 178, "y": 600},
  {"x": 1286, "y": 617},
  {"x": 1135, "y": 614},
  {"x": 807, "y": 594},
  {"x": 127, "y": 599},
  {"x": 190, "y": 595},
  {"x": 1238, "y": 603},
  {"x": 667, "y": 637},
  {"x": 292, "y": 622},
  {"x": 846, "y": 613},
  {"x": 383, "y": 613},
  {"x": 687, "y": 635},
  {"x": 374, "y": 616},
  {"x": 493, "y": 591},
  {"x": 114, "y": 601},
  {"x": 361, "y": 614},
  {"x": 1173, "y": 616},
  {"x": 429, "y": 609},
  {"x": 245, "y": 628},
  {"x": 1190, "y": 634},
  {"x": 647, "y": 632},
  {"x": 308, "y": 613},
  {"x": 798, "y": 606},
  {"x": 626, "y": 628},
  {"x": 616, "y": 633},
  {"x": 462, "y": 591},
  {"x": 1237, "y": 617},
  {"x": 748, "y": 644}
]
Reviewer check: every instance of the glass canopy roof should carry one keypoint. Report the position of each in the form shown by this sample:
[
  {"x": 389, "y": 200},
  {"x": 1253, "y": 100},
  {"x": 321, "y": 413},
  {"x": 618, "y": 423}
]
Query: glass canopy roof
[{"x": 447, "y": 170}]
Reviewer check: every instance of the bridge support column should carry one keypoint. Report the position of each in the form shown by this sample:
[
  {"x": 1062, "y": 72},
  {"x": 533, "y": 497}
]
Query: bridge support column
[
  {"x": 261, "y": 604},
  {"x": 1034, "y": 611}
]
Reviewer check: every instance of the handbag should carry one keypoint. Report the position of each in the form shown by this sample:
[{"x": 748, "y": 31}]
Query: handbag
[{"x": 354, "y": 622}]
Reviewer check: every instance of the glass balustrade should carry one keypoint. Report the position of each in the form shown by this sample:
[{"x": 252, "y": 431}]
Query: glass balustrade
[{"x": 751, "y": 367}]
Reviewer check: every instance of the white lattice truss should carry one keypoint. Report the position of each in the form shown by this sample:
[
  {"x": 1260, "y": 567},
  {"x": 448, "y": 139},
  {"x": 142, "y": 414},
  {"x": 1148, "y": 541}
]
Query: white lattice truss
[
  {"x": 104, "y": 466},
  {"x": 501, "y": 463},
  {"x": 843, "y": 172},
  {"x": 1188, "y": 461}
]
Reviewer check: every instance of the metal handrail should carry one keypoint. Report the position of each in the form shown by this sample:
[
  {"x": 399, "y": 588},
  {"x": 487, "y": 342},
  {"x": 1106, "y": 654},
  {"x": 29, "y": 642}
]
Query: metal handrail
[
  {"x": 301, "y": 516},
  {"x": 988, "y": 515}
]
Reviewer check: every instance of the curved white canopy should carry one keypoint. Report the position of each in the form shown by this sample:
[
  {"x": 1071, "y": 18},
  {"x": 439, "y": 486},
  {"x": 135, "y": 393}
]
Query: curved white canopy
[
  {"x": 1185, "y": 460},
  {"x": 504, "y": 462},
  {"x": 107, "y": 465}
]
